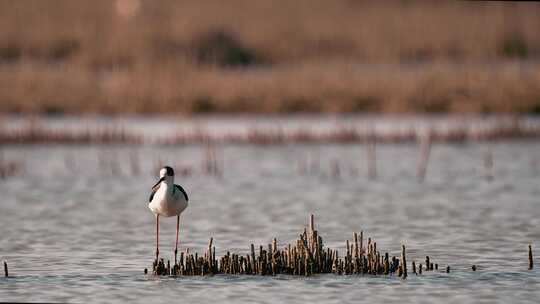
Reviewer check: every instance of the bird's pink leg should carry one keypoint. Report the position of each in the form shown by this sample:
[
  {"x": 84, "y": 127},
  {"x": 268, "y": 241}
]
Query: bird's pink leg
[
  {"x": 177, "y": 228},
  {"x": 157, "y": 238}
]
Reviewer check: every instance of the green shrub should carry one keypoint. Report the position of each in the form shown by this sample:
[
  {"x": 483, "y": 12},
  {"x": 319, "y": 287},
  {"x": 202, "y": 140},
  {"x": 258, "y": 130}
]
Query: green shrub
[
  {"x": 224, "y": 49},
  {"x": 514, "y": 46}
]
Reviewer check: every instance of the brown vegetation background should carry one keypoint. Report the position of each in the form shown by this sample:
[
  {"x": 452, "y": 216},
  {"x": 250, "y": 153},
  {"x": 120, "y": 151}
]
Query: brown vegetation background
[{"x": 131, "y": 56}]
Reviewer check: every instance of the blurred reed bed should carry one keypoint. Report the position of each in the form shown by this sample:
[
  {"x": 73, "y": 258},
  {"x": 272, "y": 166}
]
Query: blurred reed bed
[
  {"x": 131, "y": 56},
  {"x": 212, "y": 147},
  {"x": 34, "y": 132}
]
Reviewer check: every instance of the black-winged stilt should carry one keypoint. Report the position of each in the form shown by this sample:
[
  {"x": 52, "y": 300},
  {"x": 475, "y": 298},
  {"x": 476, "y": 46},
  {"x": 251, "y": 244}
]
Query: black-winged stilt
[{"x": 167, "y": 199}]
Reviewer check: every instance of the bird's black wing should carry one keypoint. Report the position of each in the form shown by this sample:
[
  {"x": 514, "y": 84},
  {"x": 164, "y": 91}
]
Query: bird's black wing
[
  {"x": 152, "y": 194},
  {"x": 178, "y": 187}
]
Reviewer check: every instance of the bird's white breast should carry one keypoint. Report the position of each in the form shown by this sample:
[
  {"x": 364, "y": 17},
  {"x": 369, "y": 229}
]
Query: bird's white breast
[{"x": 167, "y": 202}]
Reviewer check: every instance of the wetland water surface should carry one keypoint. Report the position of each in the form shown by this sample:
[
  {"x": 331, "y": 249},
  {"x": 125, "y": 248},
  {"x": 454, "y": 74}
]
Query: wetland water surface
[{"x": 76, "y": 227}]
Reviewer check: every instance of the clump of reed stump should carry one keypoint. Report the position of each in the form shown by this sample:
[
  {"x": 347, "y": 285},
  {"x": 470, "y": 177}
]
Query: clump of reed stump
[{"x": 306, "y": 256}]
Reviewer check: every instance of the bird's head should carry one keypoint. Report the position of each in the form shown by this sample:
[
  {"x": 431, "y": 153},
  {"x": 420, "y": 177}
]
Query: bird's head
[{"x": 166, "y": 174}]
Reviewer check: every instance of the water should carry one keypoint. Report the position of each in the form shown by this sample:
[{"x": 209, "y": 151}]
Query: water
[{"x": 76, "y": 228}]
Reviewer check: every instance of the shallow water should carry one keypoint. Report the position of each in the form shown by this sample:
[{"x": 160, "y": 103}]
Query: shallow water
[{"x": 76, "y": 227}]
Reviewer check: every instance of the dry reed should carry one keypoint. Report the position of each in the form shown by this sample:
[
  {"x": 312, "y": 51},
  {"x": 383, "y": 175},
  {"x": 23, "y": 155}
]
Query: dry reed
[
  {"x": 530, "y": 257},
  {"x": 306, "y": 256},
  {"x": 244, "y": 56},
  {"x": 9, "y": 168}
]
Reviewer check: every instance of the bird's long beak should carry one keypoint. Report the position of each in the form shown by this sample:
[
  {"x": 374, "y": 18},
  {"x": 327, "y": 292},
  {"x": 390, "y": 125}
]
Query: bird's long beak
[{"x": 157, "y": 184}]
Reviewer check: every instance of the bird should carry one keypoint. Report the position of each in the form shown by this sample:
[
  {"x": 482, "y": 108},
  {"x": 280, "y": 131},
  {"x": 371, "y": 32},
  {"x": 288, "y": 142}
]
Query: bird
[{"x": 167, "y": 199}]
